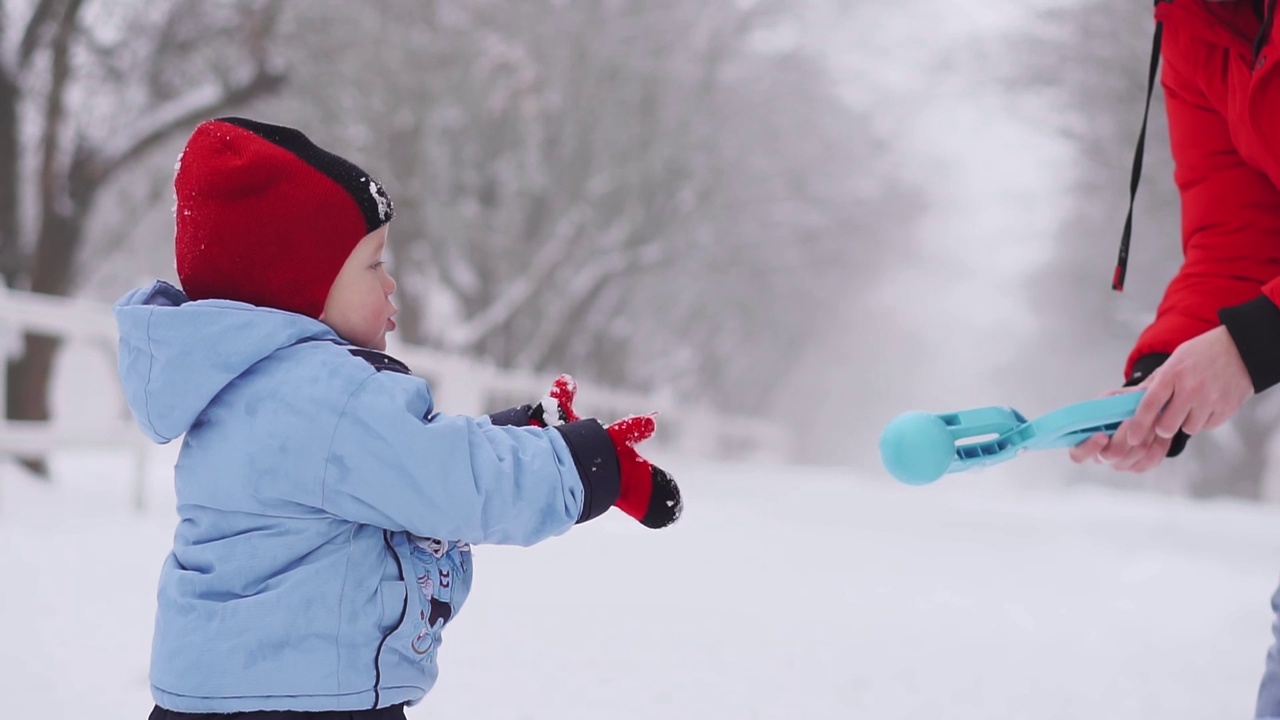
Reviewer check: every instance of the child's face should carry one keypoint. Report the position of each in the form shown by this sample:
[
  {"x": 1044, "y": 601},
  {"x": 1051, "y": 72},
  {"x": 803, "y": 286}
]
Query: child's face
[{"x": 359, "y": 306}]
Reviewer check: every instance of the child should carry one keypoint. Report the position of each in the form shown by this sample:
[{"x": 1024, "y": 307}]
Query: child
[{"x": 326, "y": 510}]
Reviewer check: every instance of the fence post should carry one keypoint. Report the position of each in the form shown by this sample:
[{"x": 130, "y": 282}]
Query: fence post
[
  {"x": 10, "y": 344},
  {"x": 10, "y": 338}
]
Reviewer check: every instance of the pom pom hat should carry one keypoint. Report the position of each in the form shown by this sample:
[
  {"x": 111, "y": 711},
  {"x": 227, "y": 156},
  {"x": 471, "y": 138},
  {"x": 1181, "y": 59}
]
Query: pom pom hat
[{"x": 266, "y": 217}]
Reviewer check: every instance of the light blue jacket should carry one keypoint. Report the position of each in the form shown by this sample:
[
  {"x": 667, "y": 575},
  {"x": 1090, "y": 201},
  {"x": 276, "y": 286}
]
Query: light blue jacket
[{"x": 325, "y": 513}]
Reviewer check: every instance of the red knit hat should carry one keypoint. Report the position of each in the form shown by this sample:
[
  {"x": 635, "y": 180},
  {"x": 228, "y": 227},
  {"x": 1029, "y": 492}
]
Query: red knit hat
[{"x": 266, "y": 217}]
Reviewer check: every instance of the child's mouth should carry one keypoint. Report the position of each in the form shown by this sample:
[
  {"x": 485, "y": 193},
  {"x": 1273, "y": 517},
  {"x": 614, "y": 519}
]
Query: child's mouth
[{"x": 391, "y": 324}]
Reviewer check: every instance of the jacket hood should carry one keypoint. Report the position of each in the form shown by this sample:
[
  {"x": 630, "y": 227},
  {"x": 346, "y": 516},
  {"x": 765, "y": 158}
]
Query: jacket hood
[{"x": 176, "y": 354}]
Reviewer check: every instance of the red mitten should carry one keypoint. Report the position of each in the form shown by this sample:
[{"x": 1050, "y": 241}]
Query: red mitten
[
  {"x": 557, "y": 407},
  {"x": 554, "y": 409},
  {"x": 647, "y": 493}
]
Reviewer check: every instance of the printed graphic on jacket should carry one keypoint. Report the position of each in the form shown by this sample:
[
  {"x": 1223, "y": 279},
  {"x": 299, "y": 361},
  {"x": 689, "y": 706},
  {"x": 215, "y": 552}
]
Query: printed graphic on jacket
[{"x": 443, "y": 573}]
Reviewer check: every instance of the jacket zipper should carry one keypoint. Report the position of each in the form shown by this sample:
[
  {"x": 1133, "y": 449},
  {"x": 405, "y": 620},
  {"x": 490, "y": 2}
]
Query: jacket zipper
[{"x": 404, "y": 608}]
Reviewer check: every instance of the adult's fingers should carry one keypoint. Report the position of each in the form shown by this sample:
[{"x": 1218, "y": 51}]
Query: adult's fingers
[
  {"x": 1119, "y": 452},
  {"x": 1142, "y": 425},
  {"x": 1089, "y": 449},
  {"x": 1125, "y": 456},
  {"x": 1175, "y": 413},
  {"x": 1198, "y": 419},
  {"x": 1154, "y": 455}
]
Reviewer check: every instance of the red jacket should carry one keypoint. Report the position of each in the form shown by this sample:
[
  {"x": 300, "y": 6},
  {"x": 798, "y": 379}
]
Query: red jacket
[{"x": 1223, "y": 106}]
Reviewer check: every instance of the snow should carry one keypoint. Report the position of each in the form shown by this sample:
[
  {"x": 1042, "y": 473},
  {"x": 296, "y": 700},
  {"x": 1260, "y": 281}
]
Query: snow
[
  {"x": 784, "y": 592},
  {"x": 379, "y": 197}
]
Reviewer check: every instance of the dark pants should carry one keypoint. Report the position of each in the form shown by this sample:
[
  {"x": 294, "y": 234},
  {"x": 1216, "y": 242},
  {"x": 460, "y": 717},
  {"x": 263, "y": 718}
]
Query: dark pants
[{"x": 395, "y": 712}]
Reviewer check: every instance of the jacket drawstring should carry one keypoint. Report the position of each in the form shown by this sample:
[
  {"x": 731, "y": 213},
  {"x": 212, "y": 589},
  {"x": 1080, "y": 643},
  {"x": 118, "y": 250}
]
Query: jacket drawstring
[
  {"x": 1268, "y": 16},
  {"x": 1122, "y": 262}
]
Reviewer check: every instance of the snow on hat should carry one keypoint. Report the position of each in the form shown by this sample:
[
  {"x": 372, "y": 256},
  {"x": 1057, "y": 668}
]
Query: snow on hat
[{"x": 266, "y": 217}]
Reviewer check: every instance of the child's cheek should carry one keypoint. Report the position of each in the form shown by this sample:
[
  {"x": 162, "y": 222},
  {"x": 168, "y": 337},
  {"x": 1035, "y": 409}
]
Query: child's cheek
[{"x": 375, "y": 316}]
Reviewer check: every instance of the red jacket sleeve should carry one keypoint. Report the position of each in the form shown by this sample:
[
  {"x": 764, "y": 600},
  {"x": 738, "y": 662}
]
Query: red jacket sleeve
[{"x": 1230, "y": 221}]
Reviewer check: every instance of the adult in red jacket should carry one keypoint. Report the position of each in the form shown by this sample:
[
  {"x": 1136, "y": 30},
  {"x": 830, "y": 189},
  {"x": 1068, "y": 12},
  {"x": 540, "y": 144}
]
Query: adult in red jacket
[
  {"x": 1216, "y": 337},
  {"x": 1215, "y": 340}
]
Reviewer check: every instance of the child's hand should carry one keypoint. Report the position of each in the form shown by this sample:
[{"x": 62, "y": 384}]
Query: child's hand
[
  {"x": 647, "y": 492},
  {"x": 556, "y": 407}
]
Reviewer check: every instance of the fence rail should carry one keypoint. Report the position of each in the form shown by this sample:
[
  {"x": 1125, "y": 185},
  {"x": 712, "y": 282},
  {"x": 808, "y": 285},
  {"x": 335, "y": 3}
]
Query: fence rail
[{"x": 460, "y": 385}]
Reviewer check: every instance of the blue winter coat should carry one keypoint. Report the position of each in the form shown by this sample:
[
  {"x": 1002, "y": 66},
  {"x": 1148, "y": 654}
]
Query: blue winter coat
[{"x": 325, "y": 511}]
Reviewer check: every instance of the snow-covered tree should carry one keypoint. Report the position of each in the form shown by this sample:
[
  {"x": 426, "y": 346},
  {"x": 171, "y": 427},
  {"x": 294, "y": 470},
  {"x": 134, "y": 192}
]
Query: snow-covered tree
[
  {"x": 653, "y": 194},
  {"x": 86, "y": 90}
]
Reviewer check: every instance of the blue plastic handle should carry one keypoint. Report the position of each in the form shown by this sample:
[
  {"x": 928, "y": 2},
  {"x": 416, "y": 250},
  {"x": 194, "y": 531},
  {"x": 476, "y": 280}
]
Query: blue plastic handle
[{"x": 919, "y": 448}]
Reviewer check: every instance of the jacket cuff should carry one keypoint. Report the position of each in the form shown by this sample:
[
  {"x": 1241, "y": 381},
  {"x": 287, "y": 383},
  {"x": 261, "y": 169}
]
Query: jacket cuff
[
  {"x": 1142, "y": 369},
  {"x": 597, "y": 464},
  {"x": 1255, "y": 328},
  {"x": 521, "y": 416}
]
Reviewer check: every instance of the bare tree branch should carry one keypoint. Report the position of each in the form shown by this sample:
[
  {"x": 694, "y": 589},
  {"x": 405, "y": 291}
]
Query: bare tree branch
[
  {"x": 518, "y": 292},
  {"x": 51, "y": 189},
  {"x": 11, "y": 261},
  {"x": 8, "y": 67},
  {"x": 114, "y": 238},
  {"x": 566, "y": 304},
  {"x": 259, "y": 28},
  {"x": 184, "y": 110},
  {"x": 41, "y": 17},
  {"x": 682, "y": 144}
]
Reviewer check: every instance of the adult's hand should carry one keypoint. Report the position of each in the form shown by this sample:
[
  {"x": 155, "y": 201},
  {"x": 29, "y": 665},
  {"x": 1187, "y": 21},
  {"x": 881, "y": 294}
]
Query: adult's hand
[
  {"x": 1120, "y": 449},
  {"x": 1201, "y": 386}
]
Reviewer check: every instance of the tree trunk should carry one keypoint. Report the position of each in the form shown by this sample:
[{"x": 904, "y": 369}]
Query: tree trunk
[
  {"x": 10, "y": 251},
  {"x": 28, "y": 382},
  {"x": 8, "y": 163},
  {"x": 19, "y": 378},
  {"x": 70, "y": 177}
]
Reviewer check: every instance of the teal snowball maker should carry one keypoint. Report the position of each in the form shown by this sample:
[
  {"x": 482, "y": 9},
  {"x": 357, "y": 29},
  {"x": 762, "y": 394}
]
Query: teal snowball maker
[{"x": 918, "y": 448}]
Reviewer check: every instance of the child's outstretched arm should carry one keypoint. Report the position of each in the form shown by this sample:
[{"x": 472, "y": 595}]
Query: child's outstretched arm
[
  {"x": 647, "y": 493},
  {"x": 461, "y": 478}
]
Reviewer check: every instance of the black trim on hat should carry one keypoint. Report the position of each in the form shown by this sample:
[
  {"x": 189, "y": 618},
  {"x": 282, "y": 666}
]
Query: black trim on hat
[{"x": 372, "y": 199}]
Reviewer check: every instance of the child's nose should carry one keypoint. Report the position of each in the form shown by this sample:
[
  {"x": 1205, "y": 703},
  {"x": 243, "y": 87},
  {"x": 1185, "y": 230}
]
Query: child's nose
[{"x": 389, "y": 285}]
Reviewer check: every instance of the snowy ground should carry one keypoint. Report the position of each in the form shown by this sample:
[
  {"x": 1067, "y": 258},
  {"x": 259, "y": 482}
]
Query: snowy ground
[{"x": 784, "y": 593}]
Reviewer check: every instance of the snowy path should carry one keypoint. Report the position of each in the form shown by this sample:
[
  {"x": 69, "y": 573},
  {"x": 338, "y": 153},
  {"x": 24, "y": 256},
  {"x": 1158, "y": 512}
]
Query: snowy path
[{"x": 785, "y": 593}]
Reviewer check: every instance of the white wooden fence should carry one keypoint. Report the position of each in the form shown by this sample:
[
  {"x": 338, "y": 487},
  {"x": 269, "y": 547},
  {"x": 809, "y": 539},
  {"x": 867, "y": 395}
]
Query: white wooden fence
[{"x": 460, "y": 386}]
